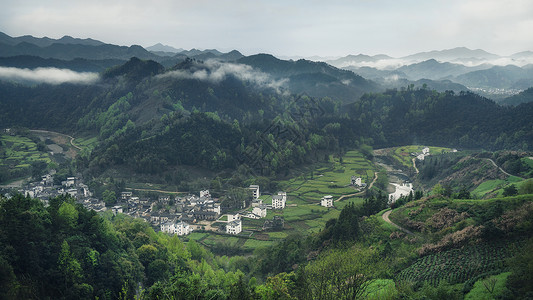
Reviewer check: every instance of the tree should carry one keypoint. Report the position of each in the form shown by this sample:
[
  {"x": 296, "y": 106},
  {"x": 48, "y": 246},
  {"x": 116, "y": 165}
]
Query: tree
[
  {"x": 341, "y": 273},
  {"x": 69, "y": 267},
  {"x": 438, "y": 190},
  {"x": 510, "y": 190},
  {"x": 527, "y": 187},
  {"x": 110, "y": 197}
]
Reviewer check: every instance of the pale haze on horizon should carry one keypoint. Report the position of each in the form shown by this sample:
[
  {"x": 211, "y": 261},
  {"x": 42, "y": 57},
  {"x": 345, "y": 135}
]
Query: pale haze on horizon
[{"x": 283, "y": 28}]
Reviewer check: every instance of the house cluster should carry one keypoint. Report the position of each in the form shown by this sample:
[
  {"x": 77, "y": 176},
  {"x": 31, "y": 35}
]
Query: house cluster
[
  {"x": 173, "y": 214},
  {"x": 421, "y": 156},
  {"x": 46, "y": 189},
  {"x": 258, "y": 211}
]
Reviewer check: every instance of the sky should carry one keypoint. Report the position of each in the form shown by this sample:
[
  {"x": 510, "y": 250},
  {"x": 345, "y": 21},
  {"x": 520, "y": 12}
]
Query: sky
[{"x": 303, "y": 28}]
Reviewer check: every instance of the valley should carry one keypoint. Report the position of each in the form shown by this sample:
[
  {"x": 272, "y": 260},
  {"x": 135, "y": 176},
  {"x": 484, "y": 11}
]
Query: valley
[{"x": 163, "y": 173}]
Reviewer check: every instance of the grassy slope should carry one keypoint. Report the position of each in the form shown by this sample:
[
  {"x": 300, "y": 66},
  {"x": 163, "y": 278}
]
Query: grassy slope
[{"x": 454, "y": 265}]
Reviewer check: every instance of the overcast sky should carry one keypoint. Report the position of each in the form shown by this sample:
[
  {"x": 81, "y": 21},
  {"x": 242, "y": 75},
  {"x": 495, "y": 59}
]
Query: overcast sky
[{"x": 283, "y": 27}]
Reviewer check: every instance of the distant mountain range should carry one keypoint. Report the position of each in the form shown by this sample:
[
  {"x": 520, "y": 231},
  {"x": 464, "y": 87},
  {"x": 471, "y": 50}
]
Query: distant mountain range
[
  {"x": 456, "y": 69},
  {"x": 460, "y": 68}
]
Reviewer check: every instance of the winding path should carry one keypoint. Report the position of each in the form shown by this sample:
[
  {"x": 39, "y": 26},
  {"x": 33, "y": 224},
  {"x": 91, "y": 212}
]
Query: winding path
[
  {"x": 414, "y": 165},
  {"x": 57, "y": 133},
  {"x": 385, "y": 217},
  {"x": 503, "y": 171}
]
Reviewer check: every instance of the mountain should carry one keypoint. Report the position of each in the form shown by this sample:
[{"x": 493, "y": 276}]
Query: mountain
[
  {"x": 432, "y": 69},
  {"x": 317, "y": 79},
  {"x": 164, "y": 48},
  {"x": 77, "y": 64},
  {"x": 135, "y": 69},
  {"x": 523, "y": 97},
  {"x": 72, "y": 51},
  {"x": 502, "y": 77},
  {"x": 212, "y": 54},
  {"x": 459, "y": 53},
  {"x": 357, "y": 60},
  {"x": 45, "y": 41}
]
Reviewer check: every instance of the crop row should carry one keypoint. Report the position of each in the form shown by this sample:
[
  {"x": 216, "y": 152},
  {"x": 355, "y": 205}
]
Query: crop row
[{"x": 457, "y": 265}]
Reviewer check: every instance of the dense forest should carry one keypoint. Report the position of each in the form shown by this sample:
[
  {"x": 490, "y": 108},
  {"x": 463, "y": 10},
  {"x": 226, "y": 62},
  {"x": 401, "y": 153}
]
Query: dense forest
[
  {"x": 150, "y": 120},
  {"x": 64, "y": 251}
]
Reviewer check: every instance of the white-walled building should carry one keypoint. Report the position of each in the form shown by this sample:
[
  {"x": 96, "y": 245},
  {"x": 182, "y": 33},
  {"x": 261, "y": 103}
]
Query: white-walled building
[
  {"x": 117, "y": 209},
  {"x": 234, "y": 227},
  {"x": 179, "y": 228},
  {"x": 279, "y": 201},
  {"x": 255, "y": 191},
  {"x": 233, "y": 217},
  {"x": 126, "y": 195},
  {"x": 357, "y": 181},
  {"x": 327, "y": 201},
  {"x": 70, "y": 181},
  {"x": 260, "y": 211},
  {"x": 205, "y": 194}
]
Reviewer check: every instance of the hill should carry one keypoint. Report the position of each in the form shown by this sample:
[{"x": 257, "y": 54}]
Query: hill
[
  {"x": 523, "y": 97},
  {"x": 317, "y": 79}
]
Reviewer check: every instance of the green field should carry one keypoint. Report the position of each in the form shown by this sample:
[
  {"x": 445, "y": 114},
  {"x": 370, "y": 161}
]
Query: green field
[
  {"x": 303, "y": 213},
  {"x": 495, "y": 187},
  {"x": 17, "y": 154},
  {"x": 403, "y": 154},
  {"x": 332, "y": 179},
  {"x": 87, "y": 144}
]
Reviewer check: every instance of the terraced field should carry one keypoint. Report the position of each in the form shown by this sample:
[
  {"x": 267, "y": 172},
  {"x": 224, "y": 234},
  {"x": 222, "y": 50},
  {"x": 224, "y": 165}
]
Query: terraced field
[{"x": 17, "y": 154}]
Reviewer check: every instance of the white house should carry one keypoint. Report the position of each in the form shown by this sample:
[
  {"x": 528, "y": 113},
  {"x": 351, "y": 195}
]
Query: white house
[
  {"x": 179, "y": 228},
  {"x": 205, "y": 194},
  {"x": 72, "y": 192},
  {"x": 116, "y": 209},
  {"x": 234, "y": 227},
  {"x": 257, "y": 202},
  {"x": 234, "y": 217},
  {"x": 126, "y": 195},
  {"x": 70, "y": 181},
  {"x": 255, "y": 191},
  {"x": 357, "y": 181},
  {"x": 261, "y": 211},
  {"x": 327, "y": 201},
  {"x": 425, "y": 151},
  {"x": 279, "y": 201}
]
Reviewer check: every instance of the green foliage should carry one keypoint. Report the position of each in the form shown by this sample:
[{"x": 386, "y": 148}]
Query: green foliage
[
  {"x": 491, "y": 287},
  {"x": 519, "y": 282},
  {"x": 109, "y": 197},
  {"x": 341, "y": 274},
  {"x": 457, "y": 265},
  {"x": 510, "y": 190},
  {"x": 526, "y": 187},
  {"x": 345, "y": 228},
  {"x": 63, "y": 251}
]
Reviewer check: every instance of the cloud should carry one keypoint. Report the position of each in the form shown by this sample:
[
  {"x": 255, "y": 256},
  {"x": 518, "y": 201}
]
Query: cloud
[
  {"x": 48, "y": 75},
  {"x": 214, "y": 71}
]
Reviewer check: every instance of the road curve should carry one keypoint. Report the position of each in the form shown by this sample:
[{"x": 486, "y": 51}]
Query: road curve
[
  {"x": 502, "y": 170},
  {"x": 58, "y": 133},
  {"x": 385, "y": 217}
]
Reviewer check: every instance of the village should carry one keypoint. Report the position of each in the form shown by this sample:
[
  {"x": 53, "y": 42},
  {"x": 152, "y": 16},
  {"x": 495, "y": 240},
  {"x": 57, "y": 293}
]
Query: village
[{"x": 176, "y": 214}]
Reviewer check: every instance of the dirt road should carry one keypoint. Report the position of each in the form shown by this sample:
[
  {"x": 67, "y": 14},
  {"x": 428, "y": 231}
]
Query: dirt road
[{"x": 385, "y": 217}]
